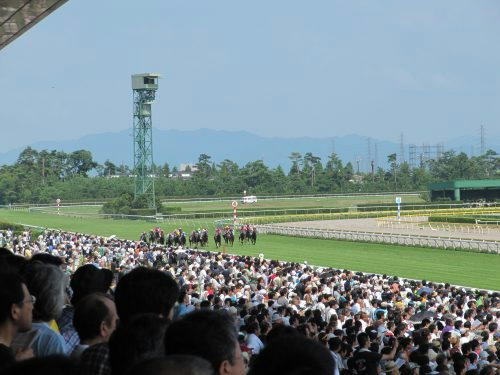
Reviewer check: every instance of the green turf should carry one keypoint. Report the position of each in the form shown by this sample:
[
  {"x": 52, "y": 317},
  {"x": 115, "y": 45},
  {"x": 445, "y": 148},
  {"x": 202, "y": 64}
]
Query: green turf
[
  {"x": 456, "y": 267},
  {"x": 76, "y": 209},
  {"x": 276, "y": 204},
  {"x": 326, "y": 202}
]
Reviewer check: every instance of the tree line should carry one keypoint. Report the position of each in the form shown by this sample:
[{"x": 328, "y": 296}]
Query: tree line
[{"x": 43, "y": 176}]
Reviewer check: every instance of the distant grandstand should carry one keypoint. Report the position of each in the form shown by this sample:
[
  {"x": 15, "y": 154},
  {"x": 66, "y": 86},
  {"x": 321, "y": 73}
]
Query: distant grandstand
[{"x": 466, "y": 190}]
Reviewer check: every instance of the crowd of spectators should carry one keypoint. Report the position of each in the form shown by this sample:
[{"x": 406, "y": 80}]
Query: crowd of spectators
[{"x": 84, "y": 304}]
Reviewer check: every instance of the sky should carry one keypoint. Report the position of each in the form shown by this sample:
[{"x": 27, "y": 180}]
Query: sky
[{"x": 428, "y": 69}]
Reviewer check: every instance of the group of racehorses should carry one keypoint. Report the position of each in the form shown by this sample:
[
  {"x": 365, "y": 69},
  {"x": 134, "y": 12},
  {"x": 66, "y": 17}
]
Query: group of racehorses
[{"x": 200, "y": 237}]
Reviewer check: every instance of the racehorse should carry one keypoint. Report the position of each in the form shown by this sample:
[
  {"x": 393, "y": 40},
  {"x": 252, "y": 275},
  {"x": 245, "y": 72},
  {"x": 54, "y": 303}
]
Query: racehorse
[
  {"x": 229, "y": 236},
  {"x": 217, "y": 238},
  {"x": 194, "y": 238},
  {"x": 243, "y": 236},
  {"x": 170, "y": 240},
  {"x": 204, "y": 237},
  {"x": 253, "y": 236},
  {"x": 182, "y": 239}
]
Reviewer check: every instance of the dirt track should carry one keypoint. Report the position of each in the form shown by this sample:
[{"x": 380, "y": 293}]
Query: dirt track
[{"x": 420, "y": 228}]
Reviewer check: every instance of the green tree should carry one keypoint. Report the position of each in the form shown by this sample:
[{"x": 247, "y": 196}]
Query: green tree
[
  {"x": 204, "y": 166},
  {"x": 109, "y": 168},
  {"x": 80, "y": 162}
]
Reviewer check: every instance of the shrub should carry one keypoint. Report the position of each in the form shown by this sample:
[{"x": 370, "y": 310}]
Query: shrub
[{"x": 12, "y": 227}]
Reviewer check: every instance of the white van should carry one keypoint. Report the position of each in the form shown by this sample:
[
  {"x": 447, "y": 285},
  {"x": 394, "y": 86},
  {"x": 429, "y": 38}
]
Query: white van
[{"x": 249, "y": 199}]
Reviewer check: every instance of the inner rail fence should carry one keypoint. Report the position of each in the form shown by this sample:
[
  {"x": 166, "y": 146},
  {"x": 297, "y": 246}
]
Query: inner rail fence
[
  {"x": 224, "y": 199},
  {"x": 338, "y": 212},
  {"x": 386, "y": 238}
]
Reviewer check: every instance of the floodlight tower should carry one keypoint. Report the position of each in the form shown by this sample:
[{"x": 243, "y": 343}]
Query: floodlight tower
[{"x": 144, "y": 88}]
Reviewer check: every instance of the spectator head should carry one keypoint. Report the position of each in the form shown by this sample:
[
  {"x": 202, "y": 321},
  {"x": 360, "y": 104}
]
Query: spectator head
[
  {"x": 139, "y": 339},
  {"x": 145, "y": 290},
  {"x": 89, "y": 279},
  {"x": 487, "y": 370},
  {"x": 47, "y": 259},
  {"x": 280, "y": 331},
  {"x": 10, "y": 262},
  {"x": 335, "y": 343},
  {"x": 51, "y": 365},
  {"x": 210, "y": 335},
  {"x": 293, "y": 356},
  {"x": 16, "y": 305},
  {"x": 47, "y": 283},
  {"x": 95, "y": 318},
  {"x": 363, "y": 340},
  {"x": 173, "y": 365}
]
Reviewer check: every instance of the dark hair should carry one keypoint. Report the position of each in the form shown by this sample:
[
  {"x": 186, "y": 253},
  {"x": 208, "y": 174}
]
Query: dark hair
[
  {"x": 334, "y": 344},
  {"x": 295, "y": 355},
  {"x": 173, "y": 365},
  {"x": 145, "y": 290},
  {"x": 207, "y": 334},
  {"x": 11, "y": 292},
  {"x": 279, "y": 331},
  {"x": 362, "y": 339},
  {"x": 90, "y": 312},
  {"x": 47, "y": 259},
  {"x": 10, "y": 263},
  {"x": 89, "y": 279},
  {"x": 51, "y": 365},
  {"x": 141, "y": 338},
  {"x": 252, "y": 327}
]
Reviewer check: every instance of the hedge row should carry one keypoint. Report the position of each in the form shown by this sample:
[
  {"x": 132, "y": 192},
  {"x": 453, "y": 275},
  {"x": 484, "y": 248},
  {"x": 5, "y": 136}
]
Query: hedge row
[
  {"x": 170, "y": 209},
  {"x": 406, "y": 206},
  {"x": 461, "y": 219},
  {"x": 13, "y": 227},
  {"x": 307, "y": 217}
]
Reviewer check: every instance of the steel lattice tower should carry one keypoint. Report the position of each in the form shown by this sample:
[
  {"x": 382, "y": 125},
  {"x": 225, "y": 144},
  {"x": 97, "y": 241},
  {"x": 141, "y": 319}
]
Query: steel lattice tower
[{"x": 144, "y": 88}]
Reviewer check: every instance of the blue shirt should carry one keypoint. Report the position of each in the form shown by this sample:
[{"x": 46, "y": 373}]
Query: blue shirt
[{"x": 48, "y": 342}]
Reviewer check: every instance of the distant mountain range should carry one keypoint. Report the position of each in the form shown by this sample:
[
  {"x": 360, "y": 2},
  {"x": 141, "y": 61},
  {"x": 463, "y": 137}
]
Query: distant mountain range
[{"x": 183, "y": 146}]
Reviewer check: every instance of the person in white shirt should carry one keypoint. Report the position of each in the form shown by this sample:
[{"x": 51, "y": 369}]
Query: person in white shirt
[{"x": 253, "y": 340}]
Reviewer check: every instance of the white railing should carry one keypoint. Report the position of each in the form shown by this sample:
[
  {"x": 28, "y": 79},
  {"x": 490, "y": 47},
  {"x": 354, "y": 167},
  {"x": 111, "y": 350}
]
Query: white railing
[{"x": 388, "y": 238}]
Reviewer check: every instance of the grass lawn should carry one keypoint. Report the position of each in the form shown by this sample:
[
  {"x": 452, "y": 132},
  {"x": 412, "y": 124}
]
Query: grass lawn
[
  {"x": 276, "y": 204},
  {"x": 316, "y": 202},
  {"x": 456, "y": 267}
]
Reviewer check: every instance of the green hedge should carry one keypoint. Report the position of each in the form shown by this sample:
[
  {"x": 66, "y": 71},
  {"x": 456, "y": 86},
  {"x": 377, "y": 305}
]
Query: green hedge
[
  {"x": 461, "y": 219},
  {"x": 307, "y": 217},
  {"x": 170, "y": 210},
  {"x": 142, "y": 211},
  {"x": 408, "y": 206},
  {"x": 13, "y": 227}
]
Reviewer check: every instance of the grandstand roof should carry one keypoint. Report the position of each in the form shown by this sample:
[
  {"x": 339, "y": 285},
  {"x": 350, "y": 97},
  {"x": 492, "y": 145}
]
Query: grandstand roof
[
  {"x": 465, "y": 184},
  {"x": 17, "y": 16}
]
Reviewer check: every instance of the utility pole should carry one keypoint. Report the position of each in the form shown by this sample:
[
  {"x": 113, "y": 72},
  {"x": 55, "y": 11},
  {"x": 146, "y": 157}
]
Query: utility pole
[
  {"x": 483, "y": 150},
  {"x": 43, "y": 170},
  {"x": 401, "y": 150}
]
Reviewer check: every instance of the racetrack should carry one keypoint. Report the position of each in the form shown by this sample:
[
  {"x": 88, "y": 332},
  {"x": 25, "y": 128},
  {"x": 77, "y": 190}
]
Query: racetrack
[{"x": 414, "y": 226}]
